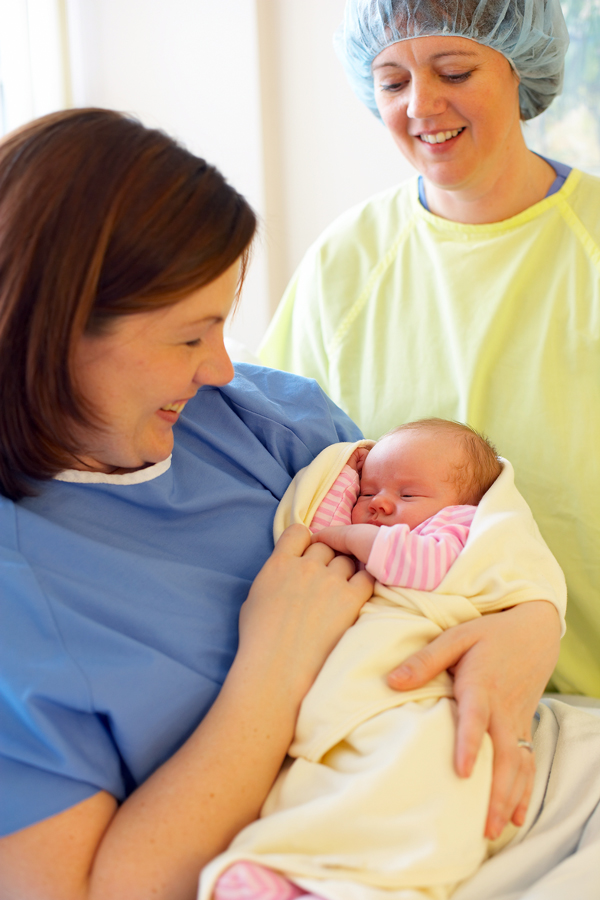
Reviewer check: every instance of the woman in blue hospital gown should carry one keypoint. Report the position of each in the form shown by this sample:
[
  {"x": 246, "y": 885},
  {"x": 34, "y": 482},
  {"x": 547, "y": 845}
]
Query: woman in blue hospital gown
[{"x": 139, "y": 481}]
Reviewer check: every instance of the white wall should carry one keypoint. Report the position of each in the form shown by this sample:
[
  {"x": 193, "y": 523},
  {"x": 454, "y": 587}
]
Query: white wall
[
  {"x": 190, "y": 68},
  {"x": 34, "y": 78},
  {"x": 333, "y": 151},
  {"x": 255, "y": 87}
]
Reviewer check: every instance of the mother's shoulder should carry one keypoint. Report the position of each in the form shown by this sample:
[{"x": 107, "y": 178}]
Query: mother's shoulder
[{"x": 271, "y": 400}]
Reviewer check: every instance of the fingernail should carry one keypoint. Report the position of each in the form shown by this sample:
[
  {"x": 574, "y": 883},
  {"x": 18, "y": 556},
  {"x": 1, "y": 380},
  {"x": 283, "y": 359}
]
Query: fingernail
[
  {"x": 495, "y": 829},
  {"x": 466, "y": 768},
  {"x": 401, "y": 674}
]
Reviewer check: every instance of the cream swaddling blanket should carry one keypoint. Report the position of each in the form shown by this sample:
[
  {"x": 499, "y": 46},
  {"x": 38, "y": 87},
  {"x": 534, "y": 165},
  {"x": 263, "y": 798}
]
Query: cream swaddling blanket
[{"x": 368, "y": 804}]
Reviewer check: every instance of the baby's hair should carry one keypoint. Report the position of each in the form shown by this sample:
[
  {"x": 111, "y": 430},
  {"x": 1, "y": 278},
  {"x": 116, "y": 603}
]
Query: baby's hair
[{"x": 480, "y": 467}]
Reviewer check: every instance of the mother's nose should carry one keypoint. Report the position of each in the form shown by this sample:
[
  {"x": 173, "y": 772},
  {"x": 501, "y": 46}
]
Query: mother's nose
[
  {"x": 217, "y": 370},
  {"x": 425, "y": 98}
]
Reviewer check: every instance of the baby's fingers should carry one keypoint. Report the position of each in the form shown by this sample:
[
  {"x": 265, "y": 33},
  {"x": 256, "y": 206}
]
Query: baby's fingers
[
  {"x": 357, "y": 459},
  {"x": 334, "y": 537}
]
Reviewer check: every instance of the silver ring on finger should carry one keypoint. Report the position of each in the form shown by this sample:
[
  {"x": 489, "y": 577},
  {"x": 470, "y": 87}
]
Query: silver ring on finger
[{"x": 527, "y": 745}]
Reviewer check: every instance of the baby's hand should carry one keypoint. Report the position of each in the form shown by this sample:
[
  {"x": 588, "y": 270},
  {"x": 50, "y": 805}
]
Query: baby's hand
[
  {"x": 335, "y": 537},
  {"x": 354, "y": 540},
  {"x": 357, "y": 459}
]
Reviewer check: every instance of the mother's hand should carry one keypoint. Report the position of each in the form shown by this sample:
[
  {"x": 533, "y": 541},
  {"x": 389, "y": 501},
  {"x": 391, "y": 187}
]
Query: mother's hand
[
  {"x": 501, "y": 664},
  {"x": 300, "y": 604}
]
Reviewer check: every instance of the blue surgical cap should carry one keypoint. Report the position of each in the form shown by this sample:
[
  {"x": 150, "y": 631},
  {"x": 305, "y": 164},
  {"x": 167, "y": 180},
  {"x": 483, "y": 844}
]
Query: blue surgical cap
[{"x": 531, "y": 34}]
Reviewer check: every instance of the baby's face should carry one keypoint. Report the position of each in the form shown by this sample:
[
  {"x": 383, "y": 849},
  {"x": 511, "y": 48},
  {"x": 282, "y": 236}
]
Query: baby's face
[{"x": 406, "y": 478}]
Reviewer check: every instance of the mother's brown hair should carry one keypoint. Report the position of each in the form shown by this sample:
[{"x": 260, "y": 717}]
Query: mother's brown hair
[{"x": 99, "y": 217}]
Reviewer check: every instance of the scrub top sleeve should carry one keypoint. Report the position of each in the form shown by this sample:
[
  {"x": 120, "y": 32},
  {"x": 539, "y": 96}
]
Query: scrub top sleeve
[
  {"x": 54, "y": 752},
  {"x": 291, "y": 416}
]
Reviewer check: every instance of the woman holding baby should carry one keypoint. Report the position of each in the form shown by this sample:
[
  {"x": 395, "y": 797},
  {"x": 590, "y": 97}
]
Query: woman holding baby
[{"x": 141, "y": 731}]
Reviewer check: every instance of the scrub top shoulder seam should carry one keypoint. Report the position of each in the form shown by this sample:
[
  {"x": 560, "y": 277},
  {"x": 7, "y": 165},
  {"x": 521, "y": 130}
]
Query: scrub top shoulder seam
[
  {"x": 362, "y": 298},
  {"x": 580, "y": 231}
]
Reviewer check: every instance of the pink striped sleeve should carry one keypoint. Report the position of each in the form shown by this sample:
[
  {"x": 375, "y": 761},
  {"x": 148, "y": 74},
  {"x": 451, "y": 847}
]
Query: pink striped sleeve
[
  {"x": 420, "y": 558},
  {"x": 336, "y": 506}
]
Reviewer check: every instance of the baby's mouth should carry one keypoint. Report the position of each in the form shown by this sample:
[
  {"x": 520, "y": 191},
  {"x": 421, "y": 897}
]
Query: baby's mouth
[{"x": 441, "y": 136}]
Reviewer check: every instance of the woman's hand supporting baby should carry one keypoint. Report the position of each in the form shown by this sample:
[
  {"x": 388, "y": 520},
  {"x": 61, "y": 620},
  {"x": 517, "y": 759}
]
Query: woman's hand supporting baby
[
  {"x": 501, "y": 664},
  {"x": 302, "y": 601}
]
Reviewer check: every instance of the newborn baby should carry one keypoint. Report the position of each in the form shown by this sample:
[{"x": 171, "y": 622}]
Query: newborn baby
[
  {"x": 414, "y": 503},
  {"x": 369, "y": 805}
]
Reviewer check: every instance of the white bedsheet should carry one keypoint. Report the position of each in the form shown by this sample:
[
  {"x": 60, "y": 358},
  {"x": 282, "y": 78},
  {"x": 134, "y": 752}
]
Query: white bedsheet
[{"x": 556, "y": 855}]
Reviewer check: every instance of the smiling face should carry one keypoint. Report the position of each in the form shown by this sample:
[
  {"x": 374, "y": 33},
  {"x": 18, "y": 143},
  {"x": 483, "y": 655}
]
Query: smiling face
[
  {"x": 452, "y": 107},
  {"x": 407, "y": 477},
  {"x": 139, "y": 376}
]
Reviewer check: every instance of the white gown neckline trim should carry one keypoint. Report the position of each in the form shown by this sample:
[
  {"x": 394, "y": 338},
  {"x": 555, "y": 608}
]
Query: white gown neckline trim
[{"x": 77, "y": 476}]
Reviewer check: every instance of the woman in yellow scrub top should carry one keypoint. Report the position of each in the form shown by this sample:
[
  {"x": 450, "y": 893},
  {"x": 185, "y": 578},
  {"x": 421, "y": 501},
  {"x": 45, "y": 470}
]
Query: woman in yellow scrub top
[{"x": 471, "y": 293}]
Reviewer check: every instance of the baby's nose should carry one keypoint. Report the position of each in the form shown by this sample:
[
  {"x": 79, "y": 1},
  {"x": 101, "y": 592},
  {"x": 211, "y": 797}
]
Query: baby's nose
[{"x": 382, "y": 503}]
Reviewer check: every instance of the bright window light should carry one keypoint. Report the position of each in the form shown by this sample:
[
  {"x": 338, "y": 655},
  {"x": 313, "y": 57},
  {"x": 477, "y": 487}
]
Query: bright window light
[
  {"x": 33, "y": 60},
  {"x": 569, "y": 130}
]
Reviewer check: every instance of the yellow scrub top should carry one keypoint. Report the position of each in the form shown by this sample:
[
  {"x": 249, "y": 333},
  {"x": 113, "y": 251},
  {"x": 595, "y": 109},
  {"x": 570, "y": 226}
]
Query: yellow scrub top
[{"x": 400, "y": 314}]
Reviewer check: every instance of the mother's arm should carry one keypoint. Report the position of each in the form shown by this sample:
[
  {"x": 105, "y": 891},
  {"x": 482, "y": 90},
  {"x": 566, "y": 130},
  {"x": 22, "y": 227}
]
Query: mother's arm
[
  {"x": 156, "y": 842},
  {"x": 501, "y": 665}
]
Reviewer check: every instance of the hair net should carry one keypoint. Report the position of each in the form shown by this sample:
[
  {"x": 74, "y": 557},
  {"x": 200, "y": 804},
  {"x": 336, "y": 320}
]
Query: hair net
[{"x": 531, "y": 34}]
